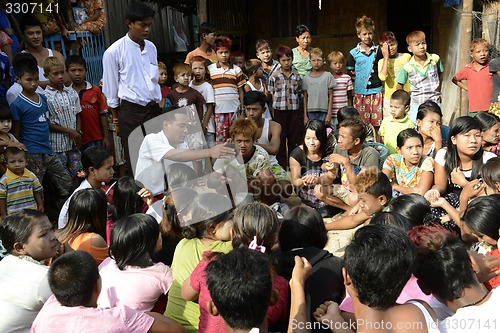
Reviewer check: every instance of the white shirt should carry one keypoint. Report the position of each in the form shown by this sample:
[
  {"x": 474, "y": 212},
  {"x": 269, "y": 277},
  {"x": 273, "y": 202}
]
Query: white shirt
[
  {"x": 441, "y": 159},
  {"x": 130, "y": 73},
  {"x": 63, "y": 215},
  {"x": 151, "y": 165}
]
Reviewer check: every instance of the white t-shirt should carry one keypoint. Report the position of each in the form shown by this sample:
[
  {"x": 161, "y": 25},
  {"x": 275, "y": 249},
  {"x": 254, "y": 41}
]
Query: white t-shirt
[
  {"x": 23, "y": 291},
  {"x": 207, "y": 91},
  {"x": 151, "y": 165},
  {"x": 441, "y": 159},
  {"x": 63, "y": 214}
]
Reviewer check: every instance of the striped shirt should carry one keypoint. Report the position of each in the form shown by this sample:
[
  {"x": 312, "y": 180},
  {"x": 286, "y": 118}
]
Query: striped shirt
[
  {"x": 226, "y": 82},
  {"x": 18, "y": 191},
  {"x": 344, "y": 84},
  {"x": 285, "y": 90},
  {"x": 63, "y": 107}
]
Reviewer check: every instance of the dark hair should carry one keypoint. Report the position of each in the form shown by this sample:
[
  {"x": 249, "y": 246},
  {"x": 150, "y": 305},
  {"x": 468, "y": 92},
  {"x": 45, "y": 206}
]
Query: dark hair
[
  {"x": 94, "y": 157},
  {"x": 5, "y": 113},
  {"x": 483, "y": 215},
  {"x": 319, "y": 128},
  {"x": 442, "y": 264},
  {"x": 17, "y": 227},
  {"x": 406, "y": 134},
  {"x": 346, "y": 112},
  {"x": 87, "y": 212},
  {"x": 300, "y": 29},
  {"x": 392, "y": 218},
  {"x": 253, "y": 97},
  {"x": 378, "y": 277},
  {"x": 206, "y": 28},
  {"x": 75, "y": 59},
  {"x": 426, "y": 107},
  {"x": 222, "y": 41},
  {"x": 487, "y": 120},
  {"x": 177, "y": 202},
  {"x": 126, "y": 201},
  {"x": 373, "y": 183},
  {"x": 207, "y": 211},
  {"x": 460, "y": 125},
  {"x": 389, "y": 37},
  {"x": 10, "y": 151},
  {"x": 179, "y": 175},
  {"x": 255, "y": 220},
  {"x": 401, "y": 95},
  {"x": 24, "y": 63},
  {"x": 491, "y": 172},
  {"x": 29, "y": 21},
  {"x": 302, "y": 226},
  {"x": 72, "y": 278},
  {"x": 283, "y": 50},
  {"x": 413, "y": 207},
  {"x": 240, "y": 284},
  {"x": 133, "y": 241},
  {"x": 357, "y": 126},
  {"x": 138, "y": 11}
]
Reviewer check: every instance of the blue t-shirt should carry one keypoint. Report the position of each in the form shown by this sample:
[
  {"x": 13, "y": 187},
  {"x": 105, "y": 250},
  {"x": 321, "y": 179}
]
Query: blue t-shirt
[
  {"x": 365, "y": 65},
  {"x": 34, "y": 124}
]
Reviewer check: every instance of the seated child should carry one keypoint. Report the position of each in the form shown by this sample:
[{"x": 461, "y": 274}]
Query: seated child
[
  {"x": 19, "y": 187},
  {"x": 397, "y": 121},
  {"x": 74, "y": 279}
]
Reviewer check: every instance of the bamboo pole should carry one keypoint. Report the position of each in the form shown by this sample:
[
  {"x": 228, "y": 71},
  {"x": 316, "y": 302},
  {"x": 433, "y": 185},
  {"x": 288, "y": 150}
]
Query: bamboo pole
[
  {"x": 465, "y": 39},
  {"x": 202, "y": 11}
]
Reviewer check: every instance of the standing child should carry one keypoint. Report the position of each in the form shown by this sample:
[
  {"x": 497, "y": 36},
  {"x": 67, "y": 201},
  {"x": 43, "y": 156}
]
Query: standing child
[
  {"x": 7, "y": 139},
  {"x": 424, "y": 71},
  {"x": 409, "y": 170},
  {"x": 285, "y": 87},
  {"x": 162, "y": 79},
  {"x": 238, "y": 58},
  {"x": 19, "y": 188},
  {"x": 362, "y": 66},
  {"x": 317, "y": 87},
  {"x": 64, "y": 116},
  {"x": 264, "y": 54},
  {"x": 390, "y": 66},
  {"x": 342, "y": 92},
  {"x": 228, "y": 81},
  {"x": 93, "y": 118},
  {"x": 208, "y": 33},
  {"x": 479, "y": 85},
  {"x": 397, "y": 121},
  {"x": 255, "y": 82}
]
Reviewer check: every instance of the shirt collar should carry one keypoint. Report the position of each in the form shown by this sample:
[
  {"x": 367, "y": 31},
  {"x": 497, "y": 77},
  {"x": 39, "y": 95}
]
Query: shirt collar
[
  {"x": 427, "y": 60},
  {"x": 53, "y": 91},
  {"x": 129, "y": 40},
  {"x": 397, "y": 121},
  {"x": 12, "y": 175},
  {"x": 471, "y": 65},
  {"x": 231, "y": 66},
  {"x": 88, "y": 86},
  {"x": 372, "y": 48}
]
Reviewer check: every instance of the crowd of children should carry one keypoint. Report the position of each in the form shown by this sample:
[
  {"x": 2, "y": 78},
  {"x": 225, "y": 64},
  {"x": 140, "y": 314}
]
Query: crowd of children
[{"x": 219, "y": 226}]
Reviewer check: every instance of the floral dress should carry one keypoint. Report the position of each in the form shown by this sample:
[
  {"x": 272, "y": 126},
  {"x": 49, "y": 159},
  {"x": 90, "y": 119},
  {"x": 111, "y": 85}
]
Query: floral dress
[{"x": 91, "y": 6}]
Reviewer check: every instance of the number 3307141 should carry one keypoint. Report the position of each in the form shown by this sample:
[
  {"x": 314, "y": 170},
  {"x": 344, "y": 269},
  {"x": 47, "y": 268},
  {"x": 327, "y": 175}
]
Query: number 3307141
[{"x": 31, "y": 7}]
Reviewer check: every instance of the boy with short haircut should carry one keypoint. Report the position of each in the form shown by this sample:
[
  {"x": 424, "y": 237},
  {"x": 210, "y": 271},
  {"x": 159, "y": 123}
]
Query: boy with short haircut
[
  {"x": 93, "y": 118},
  {"x": 424, "y": 71},
  {"x": 479, "y": 85},
  {"x": 374, "y": 192},
  {"x": 207, "y": 32},
  {"x": 162, "y": 79},
  {"x": 285, "y": 86},
  {"x": 19, "y": 188},
  {"x": 64, "y": 116},
  {"x": 264, "y": 54},
  {"x": 342, "y": 92},
  {"x": 397, "y": 121},
  {"x": 74, "y": 279},
  {"x": 31, "y": 127},
  {"x": 317, "y": 87},
  {"x": 238, "y": 58}
]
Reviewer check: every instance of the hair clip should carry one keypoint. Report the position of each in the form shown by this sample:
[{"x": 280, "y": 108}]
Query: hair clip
[{"x": 254, "y": 246}]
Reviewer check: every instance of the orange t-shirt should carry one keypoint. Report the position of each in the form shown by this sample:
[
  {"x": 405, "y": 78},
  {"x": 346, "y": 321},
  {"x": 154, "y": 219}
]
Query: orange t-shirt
[{"x": 83, "y": 242}]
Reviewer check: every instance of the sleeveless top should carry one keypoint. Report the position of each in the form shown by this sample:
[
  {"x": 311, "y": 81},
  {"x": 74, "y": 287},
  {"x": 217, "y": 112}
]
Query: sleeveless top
[
  {"x": 432, "y": 324},
  {"x": 41, "y": 72},
  {"x": 264, "y": 139},
  {"x": 267, "y": 113}
]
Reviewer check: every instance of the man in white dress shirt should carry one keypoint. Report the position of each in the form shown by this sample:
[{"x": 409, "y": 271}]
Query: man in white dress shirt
[{"x": 130, "y": 76}]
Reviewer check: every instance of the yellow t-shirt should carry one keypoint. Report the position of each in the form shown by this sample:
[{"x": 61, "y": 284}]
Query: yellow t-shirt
[{"x": 390, "y": 80}]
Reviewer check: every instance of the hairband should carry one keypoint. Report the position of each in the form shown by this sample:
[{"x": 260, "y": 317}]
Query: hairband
[{"x": 254, "y": 246}]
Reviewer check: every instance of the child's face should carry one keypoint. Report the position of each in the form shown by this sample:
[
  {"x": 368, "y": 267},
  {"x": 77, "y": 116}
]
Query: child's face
[
  {"x": 223, "y": 55},
  {"x": 336, "y": 66},
  {"x": 105, "y": 172},
  {"x": 468, "y": 143},
  {"x": 491, "y": 135},
  {"x": 16, "y": 163},
  {"x": 393, "y": 48},
  {"x": 285, "y": 62},
  {"x": 183, "y": 78},
  {"x": 264, "y": 55},
  {"x": 77, "y": 73},
  {"x": 42, "y": 243},
  {"x": 162, "y": 76},
  {"x": 366, "y": 36},
  {"x": 371, "y": 205},
  {"x": 480, "y": 53},
  {"x": 238, "y": 61},
  {"x": 429, "y": 123},
  {"x": 210, "y": 38},
  {"x": 29, "y": 82},
  {"x": 411, "y": 150},
  {"x": 398, "y": 109},
  {"x": 418, "y": 47},
  {"x": 199, "y": 70},
  {"x": 56, "y": 76},
  {"x": 244, "y": 145},
  {"x": 254, "y": 111},
  {"x": 5, "y": 125},
  {"x": 316, "y": 62}
]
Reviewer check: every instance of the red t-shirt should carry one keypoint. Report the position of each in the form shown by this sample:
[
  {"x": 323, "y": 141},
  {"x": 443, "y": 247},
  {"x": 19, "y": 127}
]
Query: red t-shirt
[
  {"x": 480, "y": 86},
  {"x": 93, "y": 105},
  {"x": 494, "y": 282}
]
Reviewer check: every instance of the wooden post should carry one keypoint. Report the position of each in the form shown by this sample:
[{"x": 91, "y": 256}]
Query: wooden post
[
  {"x": 202, "y": 11},
  {"x": 465, "y": 39}
]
